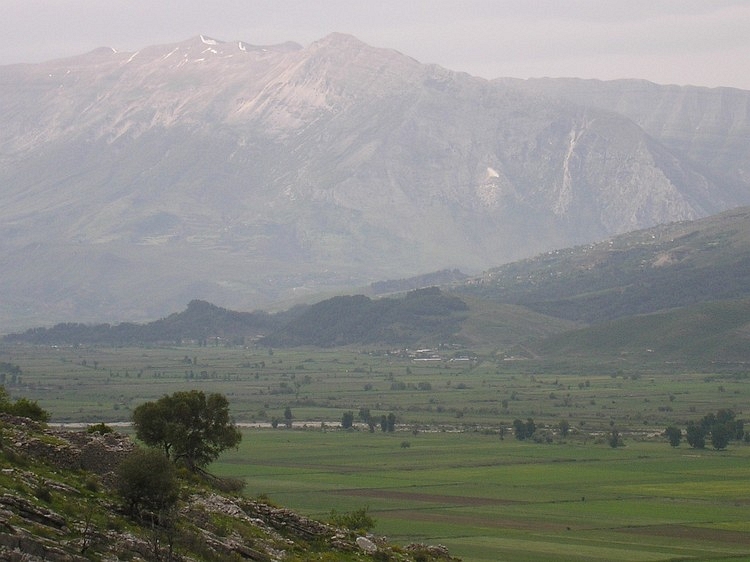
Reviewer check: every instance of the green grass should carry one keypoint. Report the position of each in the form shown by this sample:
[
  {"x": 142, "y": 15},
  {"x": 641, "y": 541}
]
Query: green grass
[
  {"x": 488, "y": 499},
  {"x": 457, "y": 483},
  {"x": 105, "y": 384}
]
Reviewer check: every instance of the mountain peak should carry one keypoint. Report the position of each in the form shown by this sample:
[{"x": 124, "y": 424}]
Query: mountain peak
[{"x": 340, "y": 39}]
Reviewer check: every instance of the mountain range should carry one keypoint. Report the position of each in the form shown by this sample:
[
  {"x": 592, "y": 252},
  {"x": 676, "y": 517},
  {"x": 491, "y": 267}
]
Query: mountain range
[
  {"x": 247, "y": 175},
  {"x": 678, "y": 293}
]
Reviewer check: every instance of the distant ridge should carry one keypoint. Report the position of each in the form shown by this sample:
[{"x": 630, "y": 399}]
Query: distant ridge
[
  {"x": 443, "y": 277},
  {"x": 200, "y": 322},
  {"x": 669, "y": 266}
]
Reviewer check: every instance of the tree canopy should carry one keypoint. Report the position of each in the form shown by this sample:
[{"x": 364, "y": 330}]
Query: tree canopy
[
  {"x": 721, "y": 428},
  {"x": 189, "y": 426}
]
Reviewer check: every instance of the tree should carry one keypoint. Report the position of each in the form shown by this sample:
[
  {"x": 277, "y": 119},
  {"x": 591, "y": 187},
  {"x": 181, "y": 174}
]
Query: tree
[
  {"x": 524, "y": 430},
  {"x": 391, "y": 422},
  {"x": 721, "y": 428},
  {"x": 564, "y": 427},
  {"x": 519, "y": 429},
  {"x": 695, "y": 435},
  {"x": 23, "y": 407},
  {"x": 720, "y": 436},
  {"x": 147, "y": 480},
  {"x": 189, "y": 426},
  {"x": 347, "y": 420},
  {"x": 530, "y": 428},
  {"x": 288, "y": 416},
  {"x": 673, "y": 435},
  {"x": 614, "y": 438}
]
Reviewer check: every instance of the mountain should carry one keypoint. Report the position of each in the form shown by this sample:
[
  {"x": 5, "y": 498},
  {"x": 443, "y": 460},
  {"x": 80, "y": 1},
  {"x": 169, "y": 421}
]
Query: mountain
[
  {"x": 245, "y": 175},
  {"x": 709, "y": 127},
  {"x": 669, "y": 266}
]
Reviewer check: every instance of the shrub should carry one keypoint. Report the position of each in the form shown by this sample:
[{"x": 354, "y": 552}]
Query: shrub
[
  {"x": 229, "y": 485},
  {"x": 43, "y": 492},
  {"x": 147, "y": 480},
  {"x": 25, "y": 408},
  {"x": 100, "y": 428},
  {"x": 357, "y": 520}
]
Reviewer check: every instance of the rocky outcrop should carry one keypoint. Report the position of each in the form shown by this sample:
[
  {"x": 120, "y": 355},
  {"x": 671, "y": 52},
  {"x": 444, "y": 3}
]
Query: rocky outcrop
[{"x": 69, "y": 450}]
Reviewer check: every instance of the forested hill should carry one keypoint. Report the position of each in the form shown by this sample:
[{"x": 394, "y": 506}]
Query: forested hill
[{"x": 424, "y": 314}]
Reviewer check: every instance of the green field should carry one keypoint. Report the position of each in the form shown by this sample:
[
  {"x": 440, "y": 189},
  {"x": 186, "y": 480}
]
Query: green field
[
  {"x": 488, "y": 499},
  {"x": 446, "y": 476}
]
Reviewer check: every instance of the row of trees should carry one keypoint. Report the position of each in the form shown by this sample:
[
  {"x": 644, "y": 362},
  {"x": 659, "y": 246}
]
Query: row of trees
[
  {"x": 719, "y": 429},
  {"x": 386, "y": 423}
]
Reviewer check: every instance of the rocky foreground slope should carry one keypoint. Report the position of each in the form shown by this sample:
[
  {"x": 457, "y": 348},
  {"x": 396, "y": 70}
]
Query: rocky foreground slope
[{"x": 57, "y": 504}]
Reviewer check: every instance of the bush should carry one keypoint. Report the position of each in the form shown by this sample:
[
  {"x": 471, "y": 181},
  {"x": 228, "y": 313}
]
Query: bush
[
  {"x": 229, "y": 485},
  {"x": 358, "y": 520},
  {"x": 43, "y": 492},
  {"x": 147, "y": 480},
  {"x": 25, "y": 408},
  {"x": 100, "y": 428}
]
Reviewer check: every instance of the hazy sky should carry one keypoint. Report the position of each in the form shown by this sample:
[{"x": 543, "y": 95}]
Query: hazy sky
[{"x": 702, "y": 42}]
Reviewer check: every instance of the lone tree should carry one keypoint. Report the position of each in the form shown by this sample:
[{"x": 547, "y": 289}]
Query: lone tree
[
  {"x": 189, "y": 426},
  {"x": 347, "y": 420},
  {"x": 288, "y": 416}
]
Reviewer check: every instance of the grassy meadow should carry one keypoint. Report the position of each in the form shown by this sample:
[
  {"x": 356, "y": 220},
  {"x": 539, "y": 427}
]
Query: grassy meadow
[
  {"x": 489, "y": 499},
  {"x": 451, "y": 473}
]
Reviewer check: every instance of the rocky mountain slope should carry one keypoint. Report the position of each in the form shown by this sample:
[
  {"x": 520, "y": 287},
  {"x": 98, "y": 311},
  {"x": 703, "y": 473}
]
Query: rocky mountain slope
[
  {"x": 243, "y": 175},
  {"x": 709, "y": 127}
]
